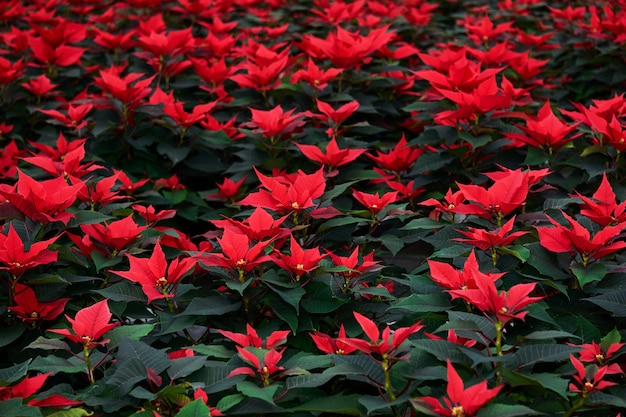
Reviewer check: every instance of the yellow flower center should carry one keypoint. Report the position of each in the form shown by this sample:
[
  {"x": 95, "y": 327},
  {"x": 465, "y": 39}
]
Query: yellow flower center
[
  {"x": 241, "y": 262},
  {"x": 161, "y": 282},
  {"x": 300, "y": 267},
  {"x": 458, "y": 411},
  {"x": 503, "y": 310},
  {"x": 295, "y": 205},
  {"x": 34, "y": 315}
]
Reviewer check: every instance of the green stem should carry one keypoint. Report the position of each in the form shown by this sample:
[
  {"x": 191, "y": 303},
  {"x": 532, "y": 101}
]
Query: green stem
[
  {"x": 578, "y": 404},
  {"x": 388, "y": 388},
  {"x": 87, "y": 360}
]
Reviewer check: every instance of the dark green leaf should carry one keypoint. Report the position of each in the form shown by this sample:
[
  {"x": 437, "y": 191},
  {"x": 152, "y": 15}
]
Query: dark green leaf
[
  {"x": 346, "y": 405},
  {"x": 210, "y": 306},
  {"x": 196, "y": 408},
  {"x": 251, "y": 390},
  {"x": 594, "y": 272},
  {"x": 613, "y": 302},
  {"x": 506, "y": 410},
  {"x": 14, "y": 408}
]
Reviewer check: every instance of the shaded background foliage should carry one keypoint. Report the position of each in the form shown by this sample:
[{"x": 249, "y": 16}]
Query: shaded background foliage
[{"x": 323, "y": 204}]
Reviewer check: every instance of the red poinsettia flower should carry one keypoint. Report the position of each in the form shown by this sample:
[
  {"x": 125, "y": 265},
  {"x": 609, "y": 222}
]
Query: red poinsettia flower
[
  {"x": 546, "y": 130},
  {"x": 40, "y": 86},
  {"x": 598, "y": 353},
  {"x": 588, "y": 379},
  {"x": 332, "y": 157},
  {"x": 276, "y": 123},
  {"x": 9, "y": 158},
  {"x": 251, "y": 338},
  {"x": 336, "y": 116},
  {"x": 89, "y": 325},
  {"x": 114, "y": 236},
  {"x": 332, "y": 345},
  {"x": 504, "y": 306},
  {"x": 452, "y": 337},
  {"x": 451, "y": 201},
  {"x": 602, "y": 207},
  {"x": 43, "y": 201},
  {"x": 150, "y": 215},
  {"x": 14, "y": 257},
  {"x": 375, "y": 203},
  {"x": 282, "y": 195},
  {"x": 237, "y": 253},
  {"x": 259, "y": 226},
  {"x": 156, "y": 277},
  {"x": 577, "y": 239},
  {"x": 263, "y": 370},
  {"x": 399, "y": 159},
  {"x": 30, "y": 310},
  {"x": 299, "y": 261},
  {"x": 228, "y": 190},
  {"x": 490, "y": 239},
  {"x": 386, "y": 343},
  {"x": 75, "y": 118},
  {"x": 352, "y": 263},
  {"x": 314, "y": 76},
  {"x": 28, "y": 386},
  {"x": 447, "y": 276},
  {"x": 459, "y": 401},
  {"x": 101, "y": 193},
  {"x": 51, "y": 56},
  {"x": 508, "y": 192}
]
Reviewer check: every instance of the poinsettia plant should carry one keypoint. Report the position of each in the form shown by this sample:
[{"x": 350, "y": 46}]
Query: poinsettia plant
[{"x": 335, "y": 207}]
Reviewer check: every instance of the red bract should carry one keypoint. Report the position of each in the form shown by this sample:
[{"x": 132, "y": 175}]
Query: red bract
[
  {"x": 399, "y": 159},
  {"x": 157, "y": 278},
  {"x": 264, "y": 370},
  {"x": 375, "y": 203},
  {"x": 602, "y": 207},
  {"x": 355, "y": 267},
  {"x": 150, "y": 215},
  {"x": 459, "y": 401},
  {"x": 51, "y": 56},
  {"x": 483, "y": 30},
  {"x": 40, "y": 86},
  {"x": 447, "y": 276},
  {"x": 331, "y": 345},
  {"x": 30, "y": 310},
  {"x": 69, "y": 165},
  {"x": 508, "y": 192},
  {"x": 490, "y": 239},
  {"x": 299, "y": 261},
  {"x": 577, "y": 239},
  {"x": 451, "y": 201},
  {"x": 75, "y": 118},
  {"x": 503, "y": 306},
  {"x": 89, "y": 325},
  {"x": 237, "y": 254},
  {"x": 281, "y": 195},
  {"x": 128, "y": 185},
  {"x": 383, "y": 345},
  {"x": 546, "y": 131},
  {"x": 336, "y": 116},
  {"x": 252, "y": 338},
  {"x": 598, "y": 353},
  {"x": 260, "y": 225},
  {"x": 28, "y": 386},
  {"x": 347, "y": 49},
  {"x": 129, "y": 90},
  {"x": 9, "y": 157},
  {"x": 276, "y": 123},
  {"x": 264, "y": 69},
  {"x": 588, "y": 379},
  {"x": 42, "y": 201},
  {"x": 315, "y": 76},
  {"x": 332, "y": 157},
  {"x": 101, "y": 193},
  {"x": 114, "y": 236}
]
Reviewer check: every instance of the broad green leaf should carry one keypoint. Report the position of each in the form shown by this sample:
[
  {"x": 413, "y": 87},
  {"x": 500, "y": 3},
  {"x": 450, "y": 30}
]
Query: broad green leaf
[
  {"x": 127, "y": 374},
  {"x": 550, "y": 334},
  {"x": 229, "y": 401},
  {"x": 375, "y": 403},
  {"x": 14, "y": 408},
  {"x": 305, "y": 360},
  {"x": 152, "y": 358},
  {"x": 530, "y": 354},
  {"x": 183, "y": 367},
  {"x": 10, "y": 333},
  {"x": 291, "y": 296},
  {"x": 547, "y": 381},
  {"x": 423, "y": 303},
  {"x": 87, "y": 217},
  {"x": 599, "y": 397},
  {"x": 613, "y": 302},
  {"x": 486, "y": 327},
  {"x": 124, "y": 291},
  {"x": 451, "y": 251},
  {"x": 48, "y": 344},
  {"x": 441, "y": 349},
  {"x": 251, "y": 390},
  {"x": 594, "y": 272},
  {"x": 213, "y": 351},
  {"x": 506, "y": 410},
  {"x": 285, "y": 312},
  {"x": 210, "y": 306},
  {"x": 215, "y": 378},
  {"x": 56, "y": 364},
  {"x": 196, "y": 408},
  {"x": 13, "y": 373},
  {"x": 133, "y": 331},
  {"x": 73, "y": 412},
  {"x": 611, "y": 338},
  {"x": 424, "y": 223},
  {"x": 345, "y": 405},
  {"x": 520, "y": 252},
  {"x": 102, "y": 262}
]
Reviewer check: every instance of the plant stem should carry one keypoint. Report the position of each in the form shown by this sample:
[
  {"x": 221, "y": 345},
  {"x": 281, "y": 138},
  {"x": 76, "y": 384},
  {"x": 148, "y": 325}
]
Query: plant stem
[
  {"x": 578, "y": 404},
  {"x": 388, "y": 388}
]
